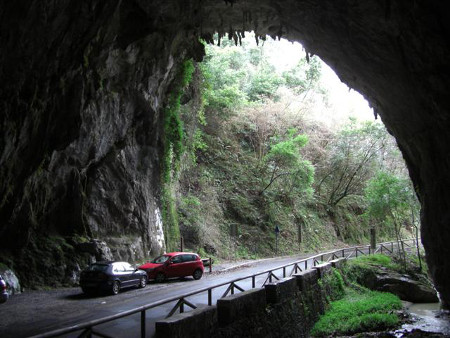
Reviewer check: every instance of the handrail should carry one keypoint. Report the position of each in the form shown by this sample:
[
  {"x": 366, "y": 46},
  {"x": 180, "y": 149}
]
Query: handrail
[{"x": 181, "y": 300}]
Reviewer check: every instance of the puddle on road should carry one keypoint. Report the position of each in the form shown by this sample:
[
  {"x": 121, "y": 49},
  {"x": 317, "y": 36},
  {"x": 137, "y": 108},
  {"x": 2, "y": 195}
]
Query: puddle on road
[{"x": 428, "y": 317}]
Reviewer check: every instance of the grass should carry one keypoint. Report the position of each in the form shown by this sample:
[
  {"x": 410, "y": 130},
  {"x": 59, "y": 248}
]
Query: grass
[
  {"x": 377, "y": 259},
  {"x": 359, "y": 311}
]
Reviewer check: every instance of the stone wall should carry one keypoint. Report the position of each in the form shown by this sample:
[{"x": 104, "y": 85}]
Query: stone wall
[{"x": 286, "y": 308}]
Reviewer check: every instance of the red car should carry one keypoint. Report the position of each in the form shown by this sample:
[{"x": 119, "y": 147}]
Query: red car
[{"x": 174, "y": 264}]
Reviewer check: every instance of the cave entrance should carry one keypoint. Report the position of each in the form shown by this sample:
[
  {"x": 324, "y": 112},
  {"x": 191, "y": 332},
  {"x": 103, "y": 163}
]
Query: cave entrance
[
  {"x": 258, "y": 100},
  {"x": 94, "y": 76},
  {"x": 395, "y": 54}
]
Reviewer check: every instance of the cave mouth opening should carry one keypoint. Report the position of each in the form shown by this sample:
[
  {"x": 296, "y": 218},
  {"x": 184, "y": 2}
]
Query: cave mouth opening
[
  {"x": 397, "y": 56},
  {"x": 283, "y": 55},
  {"x": 66, "y": 64},
  {"x": 261, "y": 74}
]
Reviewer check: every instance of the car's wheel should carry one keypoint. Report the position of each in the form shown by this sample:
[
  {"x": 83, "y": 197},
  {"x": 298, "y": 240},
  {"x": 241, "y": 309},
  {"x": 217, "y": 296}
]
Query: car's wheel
[
  {"x": 160, "y": 277},
  {"x": 197, "y": 274},
  {"x": 115, "y": 288},
  {"x": 143, "y": 282}
]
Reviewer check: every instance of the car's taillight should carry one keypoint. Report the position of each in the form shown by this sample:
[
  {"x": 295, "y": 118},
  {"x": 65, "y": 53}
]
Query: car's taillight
[{"x": 3, "y": 286}]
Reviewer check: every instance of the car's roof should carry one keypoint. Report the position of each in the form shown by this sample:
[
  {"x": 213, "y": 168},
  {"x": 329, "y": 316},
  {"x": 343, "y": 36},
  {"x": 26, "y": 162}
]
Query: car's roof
[
  {"x": 175, "y": 253},
  {"x": 109, "y": 262}
]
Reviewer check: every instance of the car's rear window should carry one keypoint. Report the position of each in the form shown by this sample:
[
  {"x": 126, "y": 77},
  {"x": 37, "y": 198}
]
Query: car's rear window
[
  {"x": 160, "y": 259},
  {"x": 189, "y": 258},
  {"x": 98, "y": 267}
]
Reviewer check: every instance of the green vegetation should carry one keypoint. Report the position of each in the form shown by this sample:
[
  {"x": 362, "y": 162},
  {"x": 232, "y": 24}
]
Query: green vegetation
[
  {"x": 359, "y": 311},
  {"x": 392, "y": 204},
  {"x": 245, "y": 153},
  {"x": 362, "y": 270},
  {"x": 373, "y": 260},
  {"x": 333, "y": 284},
  {"x": 173, "y": 126},
  {"x": 354, "y": 309},
  {"x": 173, "y": 149}
]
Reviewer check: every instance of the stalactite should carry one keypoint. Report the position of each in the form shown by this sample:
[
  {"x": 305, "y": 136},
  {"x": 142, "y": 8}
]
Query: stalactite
[
  {"x": 280, "y": 32},
  {"x": 231, "y": 2}
]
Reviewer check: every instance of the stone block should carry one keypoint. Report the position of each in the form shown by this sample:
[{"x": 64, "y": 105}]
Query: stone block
[
  {"x": 281, "y": 290},
  {"x": 323, "y": 269},
  {"x": 237, "y": 306},
  {"x": 306, "y": 280},
  {"x": 200, "y": 322},
  {"x": 338, "y": 263}
]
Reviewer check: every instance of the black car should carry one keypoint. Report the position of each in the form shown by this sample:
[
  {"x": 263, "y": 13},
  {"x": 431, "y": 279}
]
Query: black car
[
  {"x": 111, "y": 277},
  {"x": 3, "y": 293}
]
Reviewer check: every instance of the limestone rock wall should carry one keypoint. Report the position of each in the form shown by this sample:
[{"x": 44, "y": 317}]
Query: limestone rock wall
[{"x": 82, "y": 95}]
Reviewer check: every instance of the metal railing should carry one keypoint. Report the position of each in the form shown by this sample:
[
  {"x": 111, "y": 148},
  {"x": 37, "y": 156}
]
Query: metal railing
[{"x": 88, "y": 328}]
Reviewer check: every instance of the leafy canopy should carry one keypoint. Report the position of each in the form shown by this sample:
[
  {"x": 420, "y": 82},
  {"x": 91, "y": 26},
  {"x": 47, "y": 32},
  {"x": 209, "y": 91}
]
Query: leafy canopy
[{"x": 388, "y": 195}]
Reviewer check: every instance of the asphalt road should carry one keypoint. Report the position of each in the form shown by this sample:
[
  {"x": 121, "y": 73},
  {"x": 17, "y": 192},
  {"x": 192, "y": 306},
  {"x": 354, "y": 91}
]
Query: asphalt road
[{"x": 37, "y": 312}]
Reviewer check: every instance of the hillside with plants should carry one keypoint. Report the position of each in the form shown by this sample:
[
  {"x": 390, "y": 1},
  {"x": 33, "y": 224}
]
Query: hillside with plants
[{"x": 261, "y": 147}]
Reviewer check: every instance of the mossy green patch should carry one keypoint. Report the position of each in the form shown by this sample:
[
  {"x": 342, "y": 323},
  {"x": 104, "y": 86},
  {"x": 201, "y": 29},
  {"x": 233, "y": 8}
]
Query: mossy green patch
[
  {"x": 377, "y": 259},
  {"x": 359, "y": 311},
  {"x": 173, "y": 149}
]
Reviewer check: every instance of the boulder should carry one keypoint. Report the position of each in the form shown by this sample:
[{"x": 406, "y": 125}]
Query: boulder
[
  {"x": 405, "y": 287},
  {"x": 12, "y": 282},
  {"x": 97, "y": 248}
]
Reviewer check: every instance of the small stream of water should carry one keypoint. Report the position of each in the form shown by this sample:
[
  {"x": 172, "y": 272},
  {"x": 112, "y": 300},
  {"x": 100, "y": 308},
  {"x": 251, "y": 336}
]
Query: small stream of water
[{"x": 428, "y": 317}]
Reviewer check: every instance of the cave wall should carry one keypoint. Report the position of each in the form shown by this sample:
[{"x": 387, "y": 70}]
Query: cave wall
[{"x": 84, "y": 85}]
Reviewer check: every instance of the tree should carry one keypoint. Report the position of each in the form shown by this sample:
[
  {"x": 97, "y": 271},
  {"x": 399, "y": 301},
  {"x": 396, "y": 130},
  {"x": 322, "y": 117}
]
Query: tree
[
  {"x": 264, "y": 83},
  {"x": 304, "y": 76},
  {"x": 284, "y": 163},
  {"x": 238, "y": 75},
  {"x": 354, "y": 156},
  {"x": 224, "y": 76},
  {"x": 391, "y": 202}
]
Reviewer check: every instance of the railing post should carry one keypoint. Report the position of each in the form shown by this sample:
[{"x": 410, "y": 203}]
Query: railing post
[
  {"x": 87, "y": 333},
  {"x": 182, "y": 306},
  {"x": 210, "y": 264},
  {"x": 253, "y": 281},
  {"x": 392, "y": 246},
  {"x": 343, "y": 253},
  {"x": 143, "y": 324},
  {"x": 373, "y": 238},
  {"x": 284, "y": 272},
  {"x": 306, "y": 264},
  {"x": 209, "y": 297}
]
